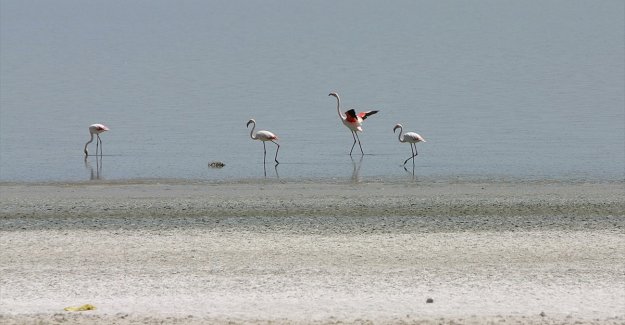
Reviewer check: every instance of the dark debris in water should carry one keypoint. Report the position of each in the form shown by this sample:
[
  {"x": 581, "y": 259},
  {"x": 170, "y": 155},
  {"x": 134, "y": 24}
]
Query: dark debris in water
[{"x": 216, "y": 164}]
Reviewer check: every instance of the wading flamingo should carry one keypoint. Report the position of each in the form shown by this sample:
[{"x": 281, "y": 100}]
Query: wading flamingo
[
  {"x": 263, "y": 136},
  {"x": 96, "y": 129},
  {"x": 352, "y": 120},
  {"x": 411, "y": 138}
]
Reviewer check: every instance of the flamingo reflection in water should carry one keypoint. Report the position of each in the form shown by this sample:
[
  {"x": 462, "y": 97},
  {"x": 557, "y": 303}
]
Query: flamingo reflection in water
[
  {"x": 97, "y": 173},
  {"x": 356, "y": 169},
  {"x": 275, "y": 168}
]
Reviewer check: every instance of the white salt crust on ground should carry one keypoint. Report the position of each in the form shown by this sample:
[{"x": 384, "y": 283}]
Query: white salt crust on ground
[{"x": 298, "y": 253}]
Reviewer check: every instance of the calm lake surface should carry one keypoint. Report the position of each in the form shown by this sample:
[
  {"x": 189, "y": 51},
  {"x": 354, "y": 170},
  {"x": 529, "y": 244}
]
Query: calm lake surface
[{"x": 527, "y": 90}]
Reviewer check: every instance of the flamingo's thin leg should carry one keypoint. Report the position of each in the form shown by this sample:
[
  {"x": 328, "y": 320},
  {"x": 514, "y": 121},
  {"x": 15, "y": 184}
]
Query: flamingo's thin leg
[
  {"x": 278, "y": 149},
  {"x": 362, "y": 152},
  {"x": 97, "y": 144},
  {"x": 415, "y": 153},
  {"x": 354, "y": 144},
  {"x": 264, "y": 152},
  {"x": 411, "y": 156},
  {"x": 100, "y": 146}
]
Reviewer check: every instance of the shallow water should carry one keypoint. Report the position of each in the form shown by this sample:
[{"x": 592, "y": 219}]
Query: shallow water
[{"x": 528, "y": 90}]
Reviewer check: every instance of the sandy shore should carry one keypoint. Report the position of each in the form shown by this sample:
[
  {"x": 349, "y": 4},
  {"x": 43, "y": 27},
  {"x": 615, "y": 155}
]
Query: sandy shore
[{"x": 313, "y": 252}]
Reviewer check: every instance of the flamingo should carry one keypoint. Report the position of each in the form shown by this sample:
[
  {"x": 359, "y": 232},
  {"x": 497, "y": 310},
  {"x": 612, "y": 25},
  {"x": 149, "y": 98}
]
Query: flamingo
[
  {"x": 411, "y": 138},
  {"x": 352, "y": 120},
  {"x": 96, "y": 129},
  {"x": 263, "y": 136}
]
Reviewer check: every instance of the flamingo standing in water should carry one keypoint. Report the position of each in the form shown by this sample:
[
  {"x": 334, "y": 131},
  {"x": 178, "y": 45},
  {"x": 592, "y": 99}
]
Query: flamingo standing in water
[
  {"x": 352, "y": 120},
  {"x": 96, "y": 129},
  {"x": 263, "y": 136},
  {"x": 411, "y": 138}
]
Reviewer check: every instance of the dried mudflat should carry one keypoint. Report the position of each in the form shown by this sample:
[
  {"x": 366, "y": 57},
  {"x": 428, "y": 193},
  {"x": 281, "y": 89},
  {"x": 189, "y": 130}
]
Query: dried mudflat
[{"x": 313, "y": 252}]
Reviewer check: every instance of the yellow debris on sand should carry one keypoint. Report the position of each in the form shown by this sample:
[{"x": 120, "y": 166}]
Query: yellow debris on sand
[{"x": 80, "y": 308}]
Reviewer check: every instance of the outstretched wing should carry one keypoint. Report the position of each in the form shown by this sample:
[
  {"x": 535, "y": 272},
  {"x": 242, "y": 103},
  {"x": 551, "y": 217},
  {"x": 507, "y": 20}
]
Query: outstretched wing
[
  {"x": 366, "y": 114},
  {"x": 351, "y": 116}
]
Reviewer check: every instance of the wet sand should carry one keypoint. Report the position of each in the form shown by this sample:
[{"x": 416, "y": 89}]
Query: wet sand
[{"x": 313, "y": 252}]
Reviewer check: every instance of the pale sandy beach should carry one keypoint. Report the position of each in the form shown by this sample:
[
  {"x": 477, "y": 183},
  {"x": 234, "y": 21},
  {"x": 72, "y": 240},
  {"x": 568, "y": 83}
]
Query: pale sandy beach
[{"x": 313, "y": 252}]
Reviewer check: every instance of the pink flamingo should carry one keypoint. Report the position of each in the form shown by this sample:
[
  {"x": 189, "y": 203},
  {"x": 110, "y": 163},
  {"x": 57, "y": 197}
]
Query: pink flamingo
[
  {"x": 352, "y": 121},
  {"x": 263, "y": 136},
  {"x": 411, "y": 138},
  {"x": 96, "y": 129}
]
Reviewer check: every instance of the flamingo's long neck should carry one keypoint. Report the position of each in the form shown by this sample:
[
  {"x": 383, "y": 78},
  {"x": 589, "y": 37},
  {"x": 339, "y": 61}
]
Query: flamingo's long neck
[
  {"x": 400, "y": 136},
  {"x": 252, "y": 132},
  {"x": 338, "y": 108},
  {"x": 88, "y": 142}
]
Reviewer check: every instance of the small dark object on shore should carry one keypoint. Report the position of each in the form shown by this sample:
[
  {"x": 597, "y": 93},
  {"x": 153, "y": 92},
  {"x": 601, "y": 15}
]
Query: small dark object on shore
[
  {"x": 216, "y": 164},
  {"x": 542, "y": 314},
  {"x": 429, "y": 301}
]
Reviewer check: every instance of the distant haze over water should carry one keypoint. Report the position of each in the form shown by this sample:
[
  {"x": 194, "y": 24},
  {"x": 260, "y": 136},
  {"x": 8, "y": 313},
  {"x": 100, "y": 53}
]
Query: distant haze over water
[{"x": 526, "y": 90}]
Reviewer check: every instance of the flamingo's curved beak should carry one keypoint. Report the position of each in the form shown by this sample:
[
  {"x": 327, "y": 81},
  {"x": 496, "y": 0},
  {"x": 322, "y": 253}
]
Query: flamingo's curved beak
[
  {"x": 248, "y": 124},
  {"x": 395, "y": 128}
]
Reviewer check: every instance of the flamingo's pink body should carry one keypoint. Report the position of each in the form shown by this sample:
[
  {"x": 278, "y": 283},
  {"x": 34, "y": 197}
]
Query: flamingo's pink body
[
  {"x": 95, "y": 129},
  {"x": 263, "y": 136},
  {"x": 352, "y": 120}
]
